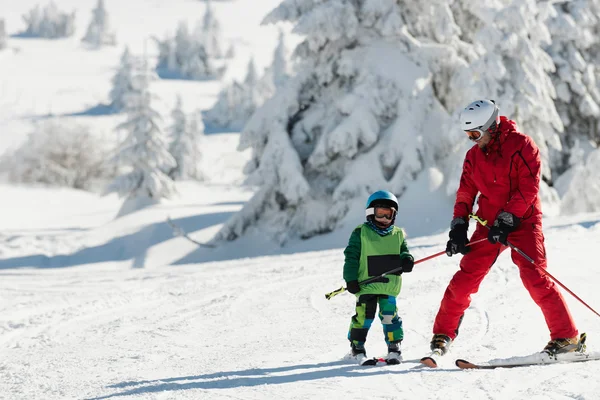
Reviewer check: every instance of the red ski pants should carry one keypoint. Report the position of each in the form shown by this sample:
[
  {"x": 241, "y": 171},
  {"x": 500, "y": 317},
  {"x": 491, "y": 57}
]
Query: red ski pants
[{"x": 475, "y": 265}]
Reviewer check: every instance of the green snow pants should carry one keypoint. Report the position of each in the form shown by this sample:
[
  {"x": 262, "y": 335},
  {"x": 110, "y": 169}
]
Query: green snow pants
[{"x": 366, "y": 307}]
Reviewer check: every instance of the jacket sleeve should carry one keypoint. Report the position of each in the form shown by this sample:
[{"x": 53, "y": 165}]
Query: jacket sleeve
[
  {"x": 352, "y": 254},
  {"x": 466, "y": 193},
  {"x": 528, "y": 166},
  {"x": 404, "y": 253}
]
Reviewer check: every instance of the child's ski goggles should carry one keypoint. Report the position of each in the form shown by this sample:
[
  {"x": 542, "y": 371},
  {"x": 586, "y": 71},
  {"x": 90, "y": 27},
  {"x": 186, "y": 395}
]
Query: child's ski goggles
[{"x": 382, "y": 212}]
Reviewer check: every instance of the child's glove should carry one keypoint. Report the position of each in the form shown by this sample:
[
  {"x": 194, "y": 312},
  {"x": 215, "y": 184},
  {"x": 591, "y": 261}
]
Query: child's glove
[
  {"x": 353, "y": 287},
  {"x": 407, "y": 264}
]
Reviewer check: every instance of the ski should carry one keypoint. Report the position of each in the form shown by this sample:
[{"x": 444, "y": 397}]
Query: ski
[
  {"x": 382, "y": 361},
  {"x": 531, "y": 360},
  {"x": 432, "y": 359}
]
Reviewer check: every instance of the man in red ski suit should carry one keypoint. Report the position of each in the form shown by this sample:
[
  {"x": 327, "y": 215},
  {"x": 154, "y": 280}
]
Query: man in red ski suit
[{"x": 504, "y": 169}]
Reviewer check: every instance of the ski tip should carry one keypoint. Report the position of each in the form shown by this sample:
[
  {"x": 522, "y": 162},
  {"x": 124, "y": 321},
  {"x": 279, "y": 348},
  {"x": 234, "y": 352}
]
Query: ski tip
[
  {"x": 464, "y": 364},
  {"x": 429, "y": 362}
]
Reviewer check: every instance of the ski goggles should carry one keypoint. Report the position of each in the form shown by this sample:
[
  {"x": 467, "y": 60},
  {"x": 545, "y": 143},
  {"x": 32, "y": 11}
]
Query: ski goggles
[
  {"x": 475, "y": 135},
  {"x": 382, "y": 212}
]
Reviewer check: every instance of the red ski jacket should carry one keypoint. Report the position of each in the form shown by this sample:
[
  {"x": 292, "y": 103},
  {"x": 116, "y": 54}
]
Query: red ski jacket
[{"x": 506, "y": 175}]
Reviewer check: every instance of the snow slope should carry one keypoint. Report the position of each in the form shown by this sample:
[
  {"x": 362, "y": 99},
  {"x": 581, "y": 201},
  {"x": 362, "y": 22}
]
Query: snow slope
[
  {"x": 260, "y": 327},
  {"x": 95, "y": 308}
]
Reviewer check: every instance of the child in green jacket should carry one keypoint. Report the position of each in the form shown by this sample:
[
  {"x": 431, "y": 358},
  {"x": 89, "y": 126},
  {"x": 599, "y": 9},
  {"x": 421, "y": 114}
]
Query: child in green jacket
[{"x": 374, "y": 248}]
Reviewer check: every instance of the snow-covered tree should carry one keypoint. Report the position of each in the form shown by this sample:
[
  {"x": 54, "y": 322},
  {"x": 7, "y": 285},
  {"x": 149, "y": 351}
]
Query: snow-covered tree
[
  {"x": 144, "y": 153},
  {"x": 122, "y": 81},
  {"x": 575, "y": 50},
  {"x": 280, "y": 68},
  {"x": 99, "y": 32},
  {"x": 359, "y": 115},
  {"x": 2, "y": 35},
  {"x": 185, "y": 56},
  {"x": 186, "y": 134},
  {"x": 210, "y": 34},
  {"x": 60, "y": 154},
  {"x": 506, "y": 43},
  {"x": 583, "y": 194},
  {"x": 49, "y": 23},
  {"x": 238, "y": 101}
]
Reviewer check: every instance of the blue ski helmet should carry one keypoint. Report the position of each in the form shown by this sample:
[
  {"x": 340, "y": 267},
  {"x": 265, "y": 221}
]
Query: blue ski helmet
[{"x": 383, "y": 197}]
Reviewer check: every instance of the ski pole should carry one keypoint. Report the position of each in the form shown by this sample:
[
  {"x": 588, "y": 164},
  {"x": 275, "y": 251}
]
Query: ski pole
[
  {"x": 376, "y": 278},
  {"x": 548, "y": 274}
]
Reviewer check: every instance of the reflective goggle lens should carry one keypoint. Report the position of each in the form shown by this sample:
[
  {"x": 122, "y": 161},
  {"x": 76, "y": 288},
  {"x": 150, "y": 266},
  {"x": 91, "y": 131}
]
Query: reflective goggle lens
[
  {"x": 384, "y": 212},
  {"x": 474, "y": 135}
]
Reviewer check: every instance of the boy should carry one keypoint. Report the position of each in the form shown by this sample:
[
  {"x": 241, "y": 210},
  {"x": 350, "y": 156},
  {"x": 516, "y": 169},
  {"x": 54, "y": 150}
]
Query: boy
[{"x": 376, "y": 247}]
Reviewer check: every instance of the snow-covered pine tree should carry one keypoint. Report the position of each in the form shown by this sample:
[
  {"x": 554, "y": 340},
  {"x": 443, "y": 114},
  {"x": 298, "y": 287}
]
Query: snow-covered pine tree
[
  {"x": 186, "y": 135},
  {"x": 360, "y": 115},
  {"x": 2, "y": 34},
  {"x": 185, "y": 56},
  {"x": 144, "y": 153},
  {"x": 98, "y": 31},
  {"x": 575, "y": 50},
  {"x": 49, "y": 23},
  {"x": 238, "y": 101},
  {"x": 122, "y": 81},
  {"x": 508, "y": 63},
  {"x": 211, "y": 35},
  {"x": 583, "y": 194},
  {"x": 280, "y": 68}
]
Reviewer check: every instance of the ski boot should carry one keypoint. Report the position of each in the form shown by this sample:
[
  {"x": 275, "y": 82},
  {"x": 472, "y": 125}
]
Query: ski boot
[
  {"x": 440, "y": 344},
  {"x": 567, "y": 345},
  {"x": 360, "y": 355},
  {"x": 394, "y": 355}
]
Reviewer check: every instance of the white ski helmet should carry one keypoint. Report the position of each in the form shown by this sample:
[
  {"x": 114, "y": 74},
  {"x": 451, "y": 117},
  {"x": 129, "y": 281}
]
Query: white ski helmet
[{"x": 480, "y": 115}]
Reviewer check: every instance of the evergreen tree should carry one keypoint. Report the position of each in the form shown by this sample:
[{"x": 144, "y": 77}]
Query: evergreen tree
[
  {"x": 508, "y": 63},
  {"x": 238, "y": 101},
  {"x": 122, "y": 81},
  {"x": 211, "y": 35},
  {"x": 185, "y": 145},
  {"x": 575, "y": 50},
  {"x": 280, "y": 68},
  {"x": 49, "y": 23},
  {"x": 346, "y": 123},
  {"x": 2, "y": 35},
  {"x": 98, "y": 32},
  {"x": 144, "y": 153},
  {"x": 185, "y": 56}
]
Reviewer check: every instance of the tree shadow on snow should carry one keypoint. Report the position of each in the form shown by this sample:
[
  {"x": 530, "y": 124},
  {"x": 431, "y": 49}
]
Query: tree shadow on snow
[
  {"x": 583, "y": 224},
  {"x": 255, "y": 377},
  {"x": 98, "y": 110},
  {"x": 123, "y": 248}
]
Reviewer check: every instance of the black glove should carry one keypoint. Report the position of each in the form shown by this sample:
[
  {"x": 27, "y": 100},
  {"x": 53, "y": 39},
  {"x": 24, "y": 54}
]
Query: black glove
[
  {"x": 504, "y": 224},
  {"x": 353, "y": 287},
  {"x": 407, "y": 264},
  {"x": 458, "y": 238}
]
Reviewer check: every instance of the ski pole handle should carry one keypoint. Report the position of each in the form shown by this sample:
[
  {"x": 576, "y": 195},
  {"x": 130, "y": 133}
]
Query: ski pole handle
[{"x": 335, "y": 293}]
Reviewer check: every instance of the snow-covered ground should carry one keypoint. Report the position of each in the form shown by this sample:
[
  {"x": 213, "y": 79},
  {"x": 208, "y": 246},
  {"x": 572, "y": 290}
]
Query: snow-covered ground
[
  {"x": 119, "y": 317},
  {"x": 93, "y": 307}
]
